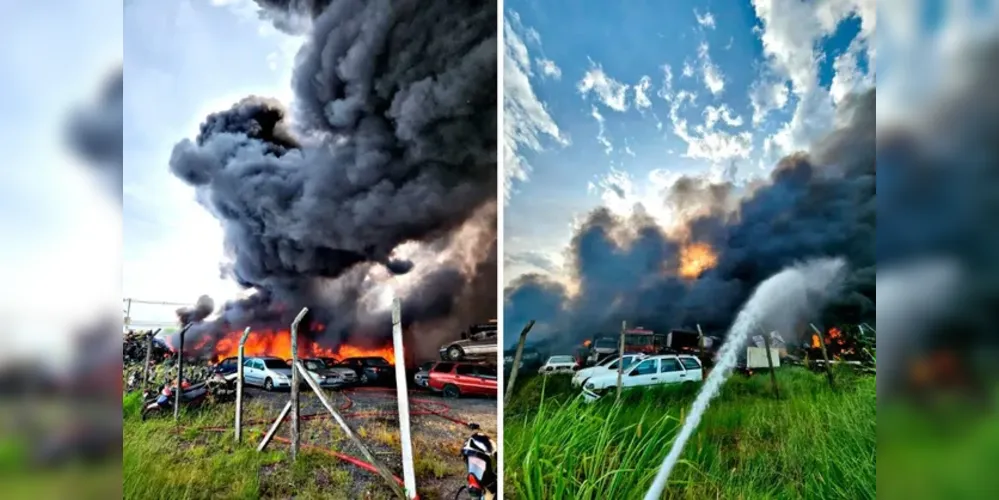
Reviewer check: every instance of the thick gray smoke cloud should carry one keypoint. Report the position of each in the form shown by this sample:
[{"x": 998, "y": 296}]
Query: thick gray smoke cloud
[
  {"x": 391, "y": 138},
  {"x": 815, "y": 205},
  {"x": 96, "y": 133}
]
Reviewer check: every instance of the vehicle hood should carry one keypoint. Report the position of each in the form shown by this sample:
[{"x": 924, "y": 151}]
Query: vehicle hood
[
  {"x": 589, "y": 372},
  {"x": 281, "y": 371},
  {"x": 560, "y": 365},
  {"x": 340, "y": 370}
]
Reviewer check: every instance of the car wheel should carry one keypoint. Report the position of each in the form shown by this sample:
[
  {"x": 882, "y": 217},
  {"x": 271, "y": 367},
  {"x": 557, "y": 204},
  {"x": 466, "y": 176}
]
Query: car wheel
[
  {"x": 451, "y": 391},
  {"x": 455, "y": 353},
  {"x": 268, "y": 384}
]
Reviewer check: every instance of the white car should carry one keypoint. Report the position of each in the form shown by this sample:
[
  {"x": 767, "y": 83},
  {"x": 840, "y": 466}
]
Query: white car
[
  {"x": 558, "y": 364},
  {"x": 608, "y": 365},
  {"x": 653, "y": 370}
]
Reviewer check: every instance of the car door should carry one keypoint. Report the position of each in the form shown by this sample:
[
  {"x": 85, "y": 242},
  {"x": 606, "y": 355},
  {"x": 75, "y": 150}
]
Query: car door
[
  {"x": 694, "y": 370},
  {"x": 467, "y": 379},
  {"x": 671, "y": 371},
  {"x": 248, "y": 371},
  {"x": 644, "y": 373},
  {"x": 258, "y": 371}
]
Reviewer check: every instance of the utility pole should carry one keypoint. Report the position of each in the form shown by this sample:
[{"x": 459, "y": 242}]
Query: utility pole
[
  {"x": 180, "y": 374},
  {"x": 128, "y": 314},
  {"x": 295, "y": 381}
]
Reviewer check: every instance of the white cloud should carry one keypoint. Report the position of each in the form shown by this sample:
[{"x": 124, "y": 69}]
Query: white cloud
[
  {"x": 526, "y": 119},
  {"x": 642, "y": 100},
  {"x": 625, "y": 195},
  {"x": 790, "y": 35},
  {"x": 766, "y": 97},
  {"x": 714, "y": 80},
  {"x": 549, "y": 68},
  {"x": 707, "y": 20},
  {"x": 723, "y": 113},
  {"x": 602, "y": 131},
  {"x": 610, "y": 92},
  {"x": 688, "y": 70},
  {"x": 666, "y": 91},
  {"x": 704, "y": 142}
]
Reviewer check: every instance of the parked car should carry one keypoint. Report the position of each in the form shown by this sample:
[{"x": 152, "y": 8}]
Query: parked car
[
  {"x": 267, "y": 372},
  {"x": 463, "y": 379},
  {"x": 653, "y": 370},
  {"x": 370, "y": 370},
  {"x": 228, "y": 368},
  {"x": 558, "y": 364},
  {"x": 422, "y": 377},
  {"x": 608, "y": 365},
  {"x": 479, "y": 342},
  {"x": 329, "y": 376}
]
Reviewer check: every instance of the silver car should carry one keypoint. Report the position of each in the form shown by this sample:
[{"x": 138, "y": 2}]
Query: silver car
[
  {"x": 479, "y": 342},
  {"x": 267, "y": 372},
  {"x": 422, "y": 377},
  {"x": 329, "y": 376}
]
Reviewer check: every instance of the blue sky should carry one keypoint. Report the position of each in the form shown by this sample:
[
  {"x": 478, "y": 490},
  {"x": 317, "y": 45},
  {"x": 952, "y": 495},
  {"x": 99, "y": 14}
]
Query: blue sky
[
  {"x": 608, "y": 103},
  {"x": 183, "y": 60}
]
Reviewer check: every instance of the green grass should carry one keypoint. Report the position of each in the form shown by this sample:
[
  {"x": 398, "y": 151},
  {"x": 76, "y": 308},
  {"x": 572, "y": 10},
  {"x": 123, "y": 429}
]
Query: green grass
[{"x": 812, "y": 443}]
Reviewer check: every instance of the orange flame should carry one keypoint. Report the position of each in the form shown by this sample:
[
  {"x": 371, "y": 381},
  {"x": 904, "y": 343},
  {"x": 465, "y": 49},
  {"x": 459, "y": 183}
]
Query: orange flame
[
  {"x": 278, "y": 343},
  {"x": 696, "y": 258}
]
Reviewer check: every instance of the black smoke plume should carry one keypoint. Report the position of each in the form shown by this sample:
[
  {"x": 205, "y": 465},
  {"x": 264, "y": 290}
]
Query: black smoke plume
[
  {"x": 820, "y": 204},
  {"x": 95, "y": 132},
  {"x": 390, "y": 139}
]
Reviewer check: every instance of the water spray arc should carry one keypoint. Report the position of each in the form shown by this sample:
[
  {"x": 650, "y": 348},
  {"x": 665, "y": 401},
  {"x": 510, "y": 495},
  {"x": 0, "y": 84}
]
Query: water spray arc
[{"x": 782, "y": 300}]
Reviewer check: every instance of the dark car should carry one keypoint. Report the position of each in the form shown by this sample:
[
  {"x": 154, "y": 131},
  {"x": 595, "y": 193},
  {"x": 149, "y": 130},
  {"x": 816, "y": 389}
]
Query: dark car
[
  {"x": 228, "y": 368},
  {"x": 371, "y": 370}
]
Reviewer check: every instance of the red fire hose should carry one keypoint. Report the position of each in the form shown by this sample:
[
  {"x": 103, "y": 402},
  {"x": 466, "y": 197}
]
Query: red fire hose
[{"x": 427, "y": 407}]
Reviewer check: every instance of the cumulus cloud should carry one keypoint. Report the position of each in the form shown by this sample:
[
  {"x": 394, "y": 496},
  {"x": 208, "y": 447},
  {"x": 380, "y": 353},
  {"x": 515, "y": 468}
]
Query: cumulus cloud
[
  {"x": 549, "y": 69},
  {"x": 666, "y": 91},
  {"x": 704, "y": 141},
  {"x": 533, "y": 258},
  {"x": 791, "y": 34},
  {"x": 609, "y": 91},
  {"x": 527, "y": 121}
]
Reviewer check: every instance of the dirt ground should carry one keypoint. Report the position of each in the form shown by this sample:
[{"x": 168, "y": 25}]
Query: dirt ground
[{"x": 372, "y": 414}]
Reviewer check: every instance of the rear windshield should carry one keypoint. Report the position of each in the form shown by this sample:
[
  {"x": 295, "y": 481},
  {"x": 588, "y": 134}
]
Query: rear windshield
[
  {"x": 314, "y": 364},
  {"x": 276, "y": 363},
  {"x": 561, "y": 359},
  {"x": 443, "y": 367}
]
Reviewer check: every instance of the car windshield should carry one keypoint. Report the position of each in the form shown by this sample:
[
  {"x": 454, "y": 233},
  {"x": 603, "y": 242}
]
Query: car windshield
[
  {"x": 610, "y": 361},
  {"x": 314, "y": 364},
  {"x": 561, "y": 359},
  {"x": 276, "y": 363},
  {"x": 376, "y": 362}
]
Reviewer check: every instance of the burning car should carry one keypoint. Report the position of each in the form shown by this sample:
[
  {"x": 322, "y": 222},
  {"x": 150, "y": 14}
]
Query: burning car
[{"x": 480, "y": 341}]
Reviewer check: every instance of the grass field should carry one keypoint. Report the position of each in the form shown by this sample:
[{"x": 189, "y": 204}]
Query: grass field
[
  {"x": 160, "y": 462},
  {"x": 812, "y": 443}
]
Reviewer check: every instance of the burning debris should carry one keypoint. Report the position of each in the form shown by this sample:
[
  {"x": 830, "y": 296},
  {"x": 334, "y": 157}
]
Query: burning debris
[
  {"x": 729, "y": 239},
  {"x": 382, "y": 170}
]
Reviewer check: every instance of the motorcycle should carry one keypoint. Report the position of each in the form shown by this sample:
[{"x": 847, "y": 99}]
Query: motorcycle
[
  {"x": 189, "y": 396},
  {"x": 479, "y": 453}
]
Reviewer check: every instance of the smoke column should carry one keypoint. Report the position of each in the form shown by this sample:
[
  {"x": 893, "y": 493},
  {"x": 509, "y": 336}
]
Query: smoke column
[
  {"x": 782, "y": 300},
  {"x": 387, "y": 152}
]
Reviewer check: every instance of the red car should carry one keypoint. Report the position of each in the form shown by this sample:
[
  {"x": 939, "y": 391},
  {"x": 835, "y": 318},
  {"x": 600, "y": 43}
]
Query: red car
[{"x": 463, "y": 379}]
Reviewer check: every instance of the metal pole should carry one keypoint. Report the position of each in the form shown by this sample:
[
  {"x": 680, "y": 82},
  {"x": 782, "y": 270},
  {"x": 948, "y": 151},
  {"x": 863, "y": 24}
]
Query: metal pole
[
  {"x": 128, "y": 314},
  {"x": 274, "y": 427},
  {"x": 620, "y": 362},
  {"x": 825, "y": 356},
  {"x": 516, "y": 362},
  {"x": 382, "y": 471},
  {"x": 770, "y": 362},
  {"x": 239, "y": 386},
  {"x": 149, "y": 358},
  {"x": 295, "y": 381},
  {"x": 402, "y": 390},
  {"x": 180, "y": 374}
]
